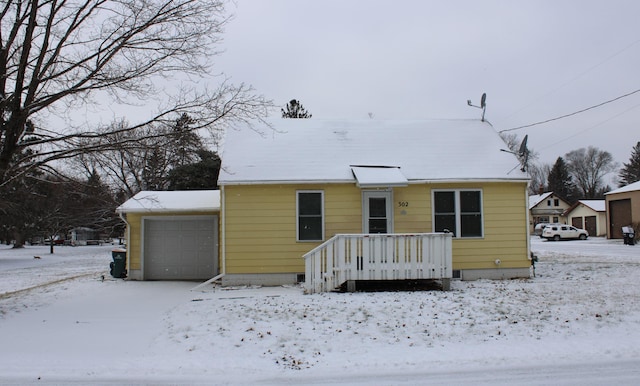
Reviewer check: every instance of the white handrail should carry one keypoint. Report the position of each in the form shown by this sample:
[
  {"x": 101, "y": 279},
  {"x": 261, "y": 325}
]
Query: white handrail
[{"x": 393, "y": 256}]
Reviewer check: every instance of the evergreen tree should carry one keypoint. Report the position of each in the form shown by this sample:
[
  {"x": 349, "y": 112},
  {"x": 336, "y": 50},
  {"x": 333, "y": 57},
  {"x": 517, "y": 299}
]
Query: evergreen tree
[
  {"x": 630, "y": 172},
  {"x": 295, "y": 109},
  {"x": 185, "y": 142},
  {"x": 197, "y": 176},
  {"x": 560, "y": 181}
]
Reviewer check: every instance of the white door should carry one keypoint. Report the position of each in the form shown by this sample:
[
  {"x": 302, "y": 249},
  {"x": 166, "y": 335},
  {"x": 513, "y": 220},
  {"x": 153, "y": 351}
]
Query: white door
[{"x": 377, "y": 212}]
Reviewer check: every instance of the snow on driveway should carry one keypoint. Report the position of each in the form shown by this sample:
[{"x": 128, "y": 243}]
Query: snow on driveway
[{"x": 576, "y": 322}]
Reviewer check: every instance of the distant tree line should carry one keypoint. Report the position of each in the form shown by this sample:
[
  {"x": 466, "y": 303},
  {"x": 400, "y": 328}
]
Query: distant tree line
[
  {"x": 46, "y": 202},
  {"x": 579, "y": 174}
]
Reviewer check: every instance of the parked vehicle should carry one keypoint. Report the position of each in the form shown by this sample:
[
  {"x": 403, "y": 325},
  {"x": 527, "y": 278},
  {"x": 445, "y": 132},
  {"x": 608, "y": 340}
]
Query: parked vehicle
[
  {"x": 562, "y": 232},
  {"x": 539, "y": 228}
]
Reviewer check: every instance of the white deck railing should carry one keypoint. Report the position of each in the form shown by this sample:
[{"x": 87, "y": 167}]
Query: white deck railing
[{"x": 377, "y": 257}]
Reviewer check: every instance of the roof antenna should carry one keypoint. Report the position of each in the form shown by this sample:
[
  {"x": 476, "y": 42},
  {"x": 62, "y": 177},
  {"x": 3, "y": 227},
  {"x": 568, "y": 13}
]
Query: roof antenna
[
  {"x": 483, "y": 104},
  {"x": 522, "y": 154}
]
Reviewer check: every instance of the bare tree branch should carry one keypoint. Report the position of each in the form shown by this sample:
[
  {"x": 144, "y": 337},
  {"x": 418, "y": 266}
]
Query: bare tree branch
[{"x": 58, "y": 55}]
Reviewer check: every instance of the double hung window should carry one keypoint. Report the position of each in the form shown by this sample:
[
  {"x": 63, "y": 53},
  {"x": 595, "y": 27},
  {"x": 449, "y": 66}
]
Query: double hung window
[
  {"x": 458, "y": 211},
  {"x": 310, "y": 215}
]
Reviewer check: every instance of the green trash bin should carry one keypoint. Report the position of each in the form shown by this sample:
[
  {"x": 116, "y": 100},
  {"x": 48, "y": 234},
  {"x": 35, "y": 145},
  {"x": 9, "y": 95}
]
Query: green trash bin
[{"x": 119, "y": 264}]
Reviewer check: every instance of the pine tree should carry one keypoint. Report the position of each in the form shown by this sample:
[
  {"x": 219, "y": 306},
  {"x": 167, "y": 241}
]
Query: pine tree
[
  {"x": 630, "y": 172},
  {"x": 185, "y": 142},
  {"x": 560, "y": 182},
  {"x": 197, "y": 176},
  {"x": 295, "y": 109}
]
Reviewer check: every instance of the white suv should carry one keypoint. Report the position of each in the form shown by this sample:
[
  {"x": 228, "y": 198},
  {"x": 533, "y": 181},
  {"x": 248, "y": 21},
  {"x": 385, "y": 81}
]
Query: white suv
[{"x": 558, "y": 232}]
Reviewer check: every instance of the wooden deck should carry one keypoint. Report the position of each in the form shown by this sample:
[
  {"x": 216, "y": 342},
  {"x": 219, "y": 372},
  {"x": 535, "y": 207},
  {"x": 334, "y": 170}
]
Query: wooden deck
[{"x": 366, "y": 257}]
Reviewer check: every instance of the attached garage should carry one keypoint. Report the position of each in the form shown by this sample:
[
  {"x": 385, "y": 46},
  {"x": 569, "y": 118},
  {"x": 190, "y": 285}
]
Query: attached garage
[
  {"x": 180, "y": 248},
  {"x": 172, "y": 235}
]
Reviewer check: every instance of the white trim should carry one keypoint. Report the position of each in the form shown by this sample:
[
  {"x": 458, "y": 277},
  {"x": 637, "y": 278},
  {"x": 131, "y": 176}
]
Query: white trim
[
  {"x": 351, "y": 181},
  {"x": 456, "y": 191},
  {"x": 528, "y": 218},
  {"x": 223, "y": 231},
  {"x": 298, "y": 214}
]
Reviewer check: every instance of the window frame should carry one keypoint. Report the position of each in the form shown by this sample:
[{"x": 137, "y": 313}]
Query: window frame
[
  {"x": 457, "y": 233},
  {"x": 298, "y": 215}
]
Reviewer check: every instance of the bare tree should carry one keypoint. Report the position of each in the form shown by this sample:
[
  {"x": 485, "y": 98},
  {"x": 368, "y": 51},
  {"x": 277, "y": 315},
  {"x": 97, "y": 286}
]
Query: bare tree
[
  {"x": 539, "y": 174},
  {"x": 588, "y": 167},
  {"x": 57, "y": 56}
]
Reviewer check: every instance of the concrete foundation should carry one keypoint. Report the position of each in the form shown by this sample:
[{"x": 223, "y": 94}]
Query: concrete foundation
[
  {"x": 495, "y": 274},
  {"x": 261, "y": 279}
]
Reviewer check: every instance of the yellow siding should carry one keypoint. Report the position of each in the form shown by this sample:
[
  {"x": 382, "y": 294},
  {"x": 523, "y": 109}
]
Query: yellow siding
[
  {"x": 260, "y": 229},
  {"x": 260, "y": 232},
  {"x": 134, "y": 234}
]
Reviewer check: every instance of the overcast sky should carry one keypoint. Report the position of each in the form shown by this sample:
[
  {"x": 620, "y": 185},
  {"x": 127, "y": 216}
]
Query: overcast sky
[{"x": 406, "y": 59}]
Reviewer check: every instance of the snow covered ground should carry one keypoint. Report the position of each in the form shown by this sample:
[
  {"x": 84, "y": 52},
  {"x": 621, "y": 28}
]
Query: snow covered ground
[{"x": 577, "y": 322}]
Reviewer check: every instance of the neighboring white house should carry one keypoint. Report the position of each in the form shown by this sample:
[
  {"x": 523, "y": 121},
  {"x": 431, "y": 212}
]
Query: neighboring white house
[
  {"x": 546, "y": 208},
  {"x": 590, "y": 215}
]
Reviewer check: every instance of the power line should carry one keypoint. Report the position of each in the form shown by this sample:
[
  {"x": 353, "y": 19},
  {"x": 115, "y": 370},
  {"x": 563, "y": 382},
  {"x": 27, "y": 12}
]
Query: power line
[
  {"x": 571, "y": 114},
  {"x": 576, "y": 77},
  {"x": 592, "y": 127}
]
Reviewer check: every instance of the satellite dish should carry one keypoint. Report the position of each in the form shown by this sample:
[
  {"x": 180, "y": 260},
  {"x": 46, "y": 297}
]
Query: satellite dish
[
  {"x": 523, "y": 145},
  {"x": 522, "y": 154},
  {"x": 483, "y": 104}
]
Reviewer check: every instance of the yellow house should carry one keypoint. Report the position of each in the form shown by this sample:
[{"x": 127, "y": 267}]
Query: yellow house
[{"x": 289, "y": 186}]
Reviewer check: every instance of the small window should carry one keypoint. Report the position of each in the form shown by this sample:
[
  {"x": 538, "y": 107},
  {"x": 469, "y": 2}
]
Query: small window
[
  {"x": 548, "y": 202},
  {"x": 556, "y": 202},
  {"x": 310, "y": 216},
  {"x": 458, "y": 211}
]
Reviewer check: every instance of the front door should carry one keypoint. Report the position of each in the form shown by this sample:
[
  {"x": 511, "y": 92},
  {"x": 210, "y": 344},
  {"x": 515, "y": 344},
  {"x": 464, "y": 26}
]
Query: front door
[{"x": 377, "y": 212}]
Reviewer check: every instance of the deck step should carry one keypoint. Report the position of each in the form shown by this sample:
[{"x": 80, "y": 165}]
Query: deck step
[{"x": 392, "y": 285}]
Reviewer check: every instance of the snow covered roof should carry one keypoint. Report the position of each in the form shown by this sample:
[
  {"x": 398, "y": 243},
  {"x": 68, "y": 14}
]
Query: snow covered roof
[
  {"x": 629, "y": 188},
  {"x": 596, "y": 205},
  {"x": 312, "y": 150},
  {"x": 172, "y": 201},
  {"x": 538, "y": 198},
  {"x": 369, "y": 177}
]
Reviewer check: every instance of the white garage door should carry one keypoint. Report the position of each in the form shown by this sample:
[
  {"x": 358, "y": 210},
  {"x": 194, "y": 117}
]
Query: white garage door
[{"x": 180, "y": 248}]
